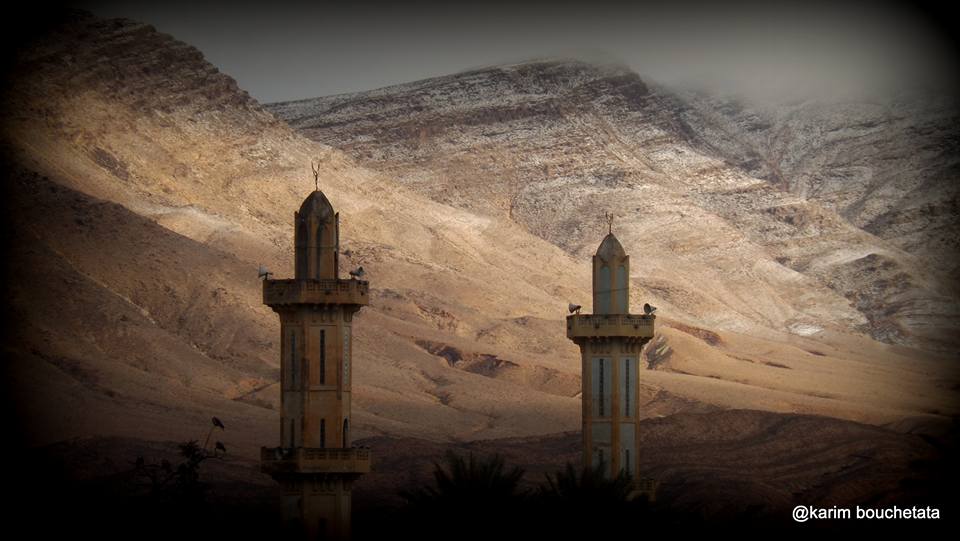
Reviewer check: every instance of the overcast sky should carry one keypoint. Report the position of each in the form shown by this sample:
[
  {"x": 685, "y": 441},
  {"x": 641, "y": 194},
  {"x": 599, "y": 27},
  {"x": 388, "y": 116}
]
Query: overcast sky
[{"x": 284, "y": 50}]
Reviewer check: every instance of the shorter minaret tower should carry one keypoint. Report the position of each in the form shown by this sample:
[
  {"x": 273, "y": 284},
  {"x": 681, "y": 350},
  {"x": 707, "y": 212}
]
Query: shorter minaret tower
[
  {"x": 316, "y": 463},
  {"x": 610, "y": 341}
]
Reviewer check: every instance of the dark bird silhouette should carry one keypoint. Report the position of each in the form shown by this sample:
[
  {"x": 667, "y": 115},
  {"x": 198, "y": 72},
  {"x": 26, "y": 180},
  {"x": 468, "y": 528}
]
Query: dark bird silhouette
[
  {"x": 218, "y": 423},
  {"x": 358, "y": 273},
  {"x": 574, "y": 308},
  {"x": 647, "y": 309}
]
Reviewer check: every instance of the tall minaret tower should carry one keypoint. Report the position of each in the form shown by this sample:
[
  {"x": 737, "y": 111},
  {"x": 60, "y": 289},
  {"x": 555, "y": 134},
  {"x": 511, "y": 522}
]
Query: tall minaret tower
[
  {"x": 315, "y": 462},
  {"x": 610, "y": 340}
]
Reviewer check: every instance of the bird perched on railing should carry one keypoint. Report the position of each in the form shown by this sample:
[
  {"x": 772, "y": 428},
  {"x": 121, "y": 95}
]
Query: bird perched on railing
[
  {"x": 358, "y": 273},
  {"x": 574, "y": 308},
  {"x": 649, "y": 310}
]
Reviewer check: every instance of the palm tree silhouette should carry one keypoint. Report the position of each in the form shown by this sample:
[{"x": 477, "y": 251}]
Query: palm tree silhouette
[
  {"x": 472, "y": 480},
  {"x": 476, "y": 497},
  {"x": 586, "y": 502}
]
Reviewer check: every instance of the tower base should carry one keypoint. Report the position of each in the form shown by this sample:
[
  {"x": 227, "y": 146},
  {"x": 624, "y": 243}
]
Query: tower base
[
  {"x": 316, "y": 506},
  {"x": 317, "y": 488},
  {"x": 646, "y": 488}
]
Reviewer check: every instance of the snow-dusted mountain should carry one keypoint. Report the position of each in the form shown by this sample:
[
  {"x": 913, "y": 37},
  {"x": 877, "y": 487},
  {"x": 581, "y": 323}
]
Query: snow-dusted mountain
[{"x": 793, "y": 218}]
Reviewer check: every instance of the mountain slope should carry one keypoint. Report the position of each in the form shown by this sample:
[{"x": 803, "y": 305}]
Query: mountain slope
[
  {"x": 887, "y": 166},
  {"x": 552, "y": 145},
  {"x": 148, "y": 188},
  {"x": 187, "y": 152}
]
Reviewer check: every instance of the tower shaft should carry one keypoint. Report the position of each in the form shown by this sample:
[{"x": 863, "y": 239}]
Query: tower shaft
[
  {"x": 316, "y": 463},
  {"x": 610, "y": 346},
  {"x": 610, "y": 342}
]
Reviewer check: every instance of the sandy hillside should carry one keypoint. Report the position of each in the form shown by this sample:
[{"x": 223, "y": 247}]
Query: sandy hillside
[{"x": 145, "y": 188}]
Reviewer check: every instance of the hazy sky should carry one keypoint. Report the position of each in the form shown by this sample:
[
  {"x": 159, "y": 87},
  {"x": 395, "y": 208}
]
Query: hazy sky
[{"x": 284, "y": 50}]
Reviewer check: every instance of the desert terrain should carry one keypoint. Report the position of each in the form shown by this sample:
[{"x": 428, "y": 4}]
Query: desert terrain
[{"x": 803, "y": 270}]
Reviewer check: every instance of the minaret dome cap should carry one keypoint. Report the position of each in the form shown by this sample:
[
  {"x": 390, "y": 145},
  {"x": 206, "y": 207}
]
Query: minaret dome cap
[
  {"x": 610, "y": 249},
  {"x": 317, "y": 204}
]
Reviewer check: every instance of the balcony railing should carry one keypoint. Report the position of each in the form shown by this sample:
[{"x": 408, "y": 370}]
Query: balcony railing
[
  {"x": 312, "y": 460},
  {"x": 278, "y": 292},
  {"x": 610, "y": 325}
]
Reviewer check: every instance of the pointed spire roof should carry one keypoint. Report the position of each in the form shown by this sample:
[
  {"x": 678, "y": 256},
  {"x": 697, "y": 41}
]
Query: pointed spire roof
[
  {"x": 316, "y": 203},
  {"x": 610, "y": 248}
]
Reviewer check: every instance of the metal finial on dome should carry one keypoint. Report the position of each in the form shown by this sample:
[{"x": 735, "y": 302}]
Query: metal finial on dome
[
  {"x": 609, "y": 217},
  {"x": 316, "y": 175}
]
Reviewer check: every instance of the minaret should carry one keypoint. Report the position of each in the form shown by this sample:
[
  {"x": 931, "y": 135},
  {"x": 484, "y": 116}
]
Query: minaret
[
  {"x": 315, "y": 462},
  {"x": 610, "y": 340}
]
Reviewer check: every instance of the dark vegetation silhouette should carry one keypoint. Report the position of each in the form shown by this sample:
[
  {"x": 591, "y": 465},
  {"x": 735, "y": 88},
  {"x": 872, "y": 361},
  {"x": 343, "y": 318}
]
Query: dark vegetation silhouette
[
  {"x": 179, "y": 488},
  {"x": 482, "y": 495},
  {"x": 175, "y": 499},
  {"x": 164, "y": 496},
  {"x": 587, "y": 501},
  {"x": 468, "y": 481},
  {"x": 484, "y": 498},
  {"x": 468, "y": 497}
]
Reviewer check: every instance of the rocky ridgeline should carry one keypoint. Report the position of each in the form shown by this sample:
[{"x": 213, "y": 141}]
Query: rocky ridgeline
[
  {"x": 131, "y": 62},
  {"x": 149, "y": 110},
  {"x": 551, "y": 145},
  {"x": 887, "y": 166}
]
